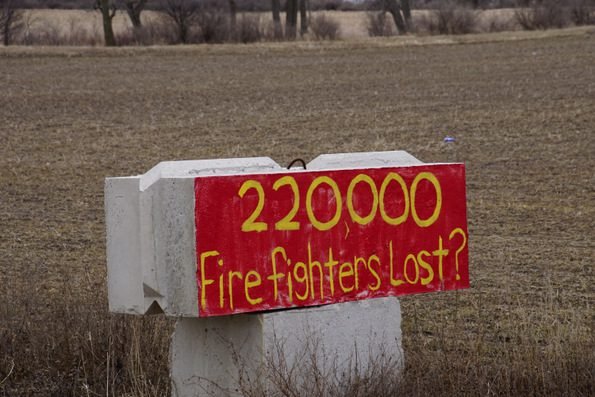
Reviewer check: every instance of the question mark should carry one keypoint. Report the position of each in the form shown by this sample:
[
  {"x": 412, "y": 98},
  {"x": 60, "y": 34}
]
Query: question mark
[{"x": 456, "y": 231}]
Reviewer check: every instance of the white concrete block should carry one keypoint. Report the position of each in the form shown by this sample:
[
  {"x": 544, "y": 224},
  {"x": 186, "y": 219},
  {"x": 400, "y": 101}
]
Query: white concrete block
[
  {"x": 224, "y": 355},
  {"x": 340, "y": 161},
  {"x": 151, "y": 254},
  {"x": 208, "y": 355},
  {"x": 122, "y": 206},
  {"x": 347, "y": 338}
]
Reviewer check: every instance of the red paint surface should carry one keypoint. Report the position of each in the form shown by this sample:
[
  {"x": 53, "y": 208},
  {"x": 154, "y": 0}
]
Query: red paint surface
[{"x": 235, "y": 268}]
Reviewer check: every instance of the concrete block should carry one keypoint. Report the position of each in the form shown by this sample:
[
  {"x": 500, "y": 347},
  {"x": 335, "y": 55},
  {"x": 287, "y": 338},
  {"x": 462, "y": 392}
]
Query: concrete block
[
  {"x": 223, "y": 355},
  {"x": 339, "y": 161},
  {"x": 151, "y": 255}
]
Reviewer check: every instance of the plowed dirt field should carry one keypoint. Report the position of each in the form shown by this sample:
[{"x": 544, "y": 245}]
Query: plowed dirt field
[{"x": 522, "y": 110}]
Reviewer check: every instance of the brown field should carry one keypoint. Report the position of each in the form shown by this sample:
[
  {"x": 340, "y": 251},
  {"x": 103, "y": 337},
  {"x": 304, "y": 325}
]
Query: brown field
[{"x": 521, "y": 106}]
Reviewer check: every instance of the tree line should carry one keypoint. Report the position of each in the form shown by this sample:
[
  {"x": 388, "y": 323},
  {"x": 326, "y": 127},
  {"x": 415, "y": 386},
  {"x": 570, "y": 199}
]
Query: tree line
[
  {"x": 191, "y": 21},
  {"x": 185, "y": 13}
]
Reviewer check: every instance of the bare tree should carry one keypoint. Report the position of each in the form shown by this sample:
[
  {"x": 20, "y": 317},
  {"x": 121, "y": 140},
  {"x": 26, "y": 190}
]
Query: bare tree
[
  {"x": 108, "y": 12},
  {"x": 133, "y": 9},
  {"x": 400, "y": 12},
  {"x": 303, "y": 17},
  {"x": 184, "y": 14},
  {"x": 233, "y": 11},
  {"x": 276, "y": 7},
  {"x": 291, "y": 13},
  {"x": 11, "y": 21},
  {"x": 406, "y": 13}
]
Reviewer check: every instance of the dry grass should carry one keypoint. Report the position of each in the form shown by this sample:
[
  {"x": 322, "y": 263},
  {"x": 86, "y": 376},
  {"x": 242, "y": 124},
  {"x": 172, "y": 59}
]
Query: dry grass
[{"x": 519, "y": 104}]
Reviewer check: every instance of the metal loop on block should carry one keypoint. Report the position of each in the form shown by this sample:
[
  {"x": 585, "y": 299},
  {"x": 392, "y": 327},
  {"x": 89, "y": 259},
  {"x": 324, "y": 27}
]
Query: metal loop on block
[{"x": 297, "y": 161}]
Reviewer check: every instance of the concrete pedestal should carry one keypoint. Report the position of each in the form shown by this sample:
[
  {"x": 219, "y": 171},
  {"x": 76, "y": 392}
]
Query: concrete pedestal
[{"x": 229, "y": 355}]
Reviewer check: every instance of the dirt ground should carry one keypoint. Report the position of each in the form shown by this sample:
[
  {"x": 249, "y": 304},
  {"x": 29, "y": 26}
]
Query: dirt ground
[{"x": 522, "y": 111}]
